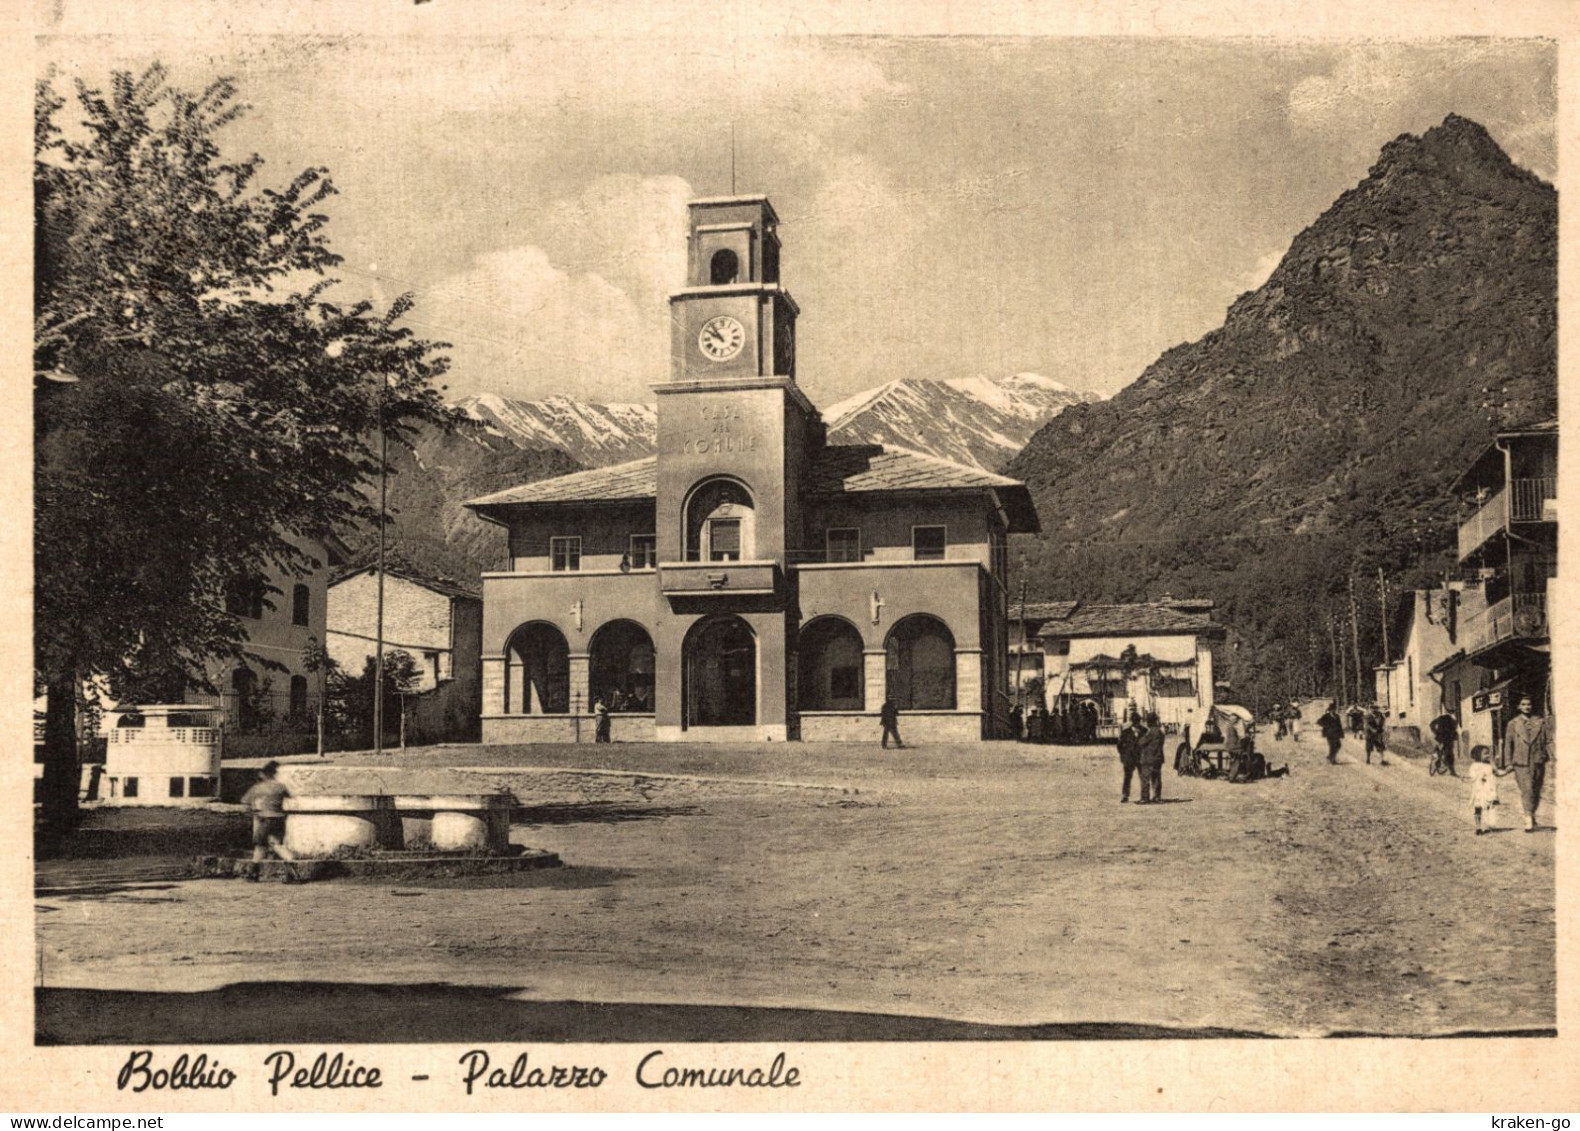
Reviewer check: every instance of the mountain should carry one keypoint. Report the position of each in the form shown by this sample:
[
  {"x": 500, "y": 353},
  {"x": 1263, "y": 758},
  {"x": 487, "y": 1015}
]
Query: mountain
[
  {"x": 981, "y": 421},
  {"x": 1314, "y": 435},
  {"x": 974, "y": 420},
  {"x": 595, "y": 435},
  {"x": 431, "y": 532}
]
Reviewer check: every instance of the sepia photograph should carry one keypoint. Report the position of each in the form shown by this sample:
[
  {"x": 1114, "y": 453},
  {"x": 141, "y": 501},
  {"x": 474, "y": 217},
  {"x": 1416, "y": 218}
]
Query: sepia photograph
[{"x": 711, "y": 534}]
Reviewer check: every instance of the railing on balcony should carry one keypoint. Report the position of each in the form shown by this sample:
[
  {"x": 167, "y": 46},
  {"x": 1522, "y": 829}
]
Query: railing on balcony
[
  {"x": 1517, "y": 616},
  {"x": 182, "y": 736},
  {"x": 1489, "y": 518},
  {"x": 1534, "y": 500}
]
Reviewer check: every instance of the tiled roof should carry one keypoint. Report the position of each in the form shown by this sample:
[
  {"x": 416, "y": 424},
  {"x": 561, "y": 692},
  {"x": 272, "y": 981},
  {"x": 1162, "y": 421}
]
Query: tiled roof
[
  {"x": 838, "y": 470},
  {"x": 635, "y": 480},
  {"x": 1043, "y": 610},
  {"x": 847, "y": 469},
  {"x": 1151, "y": 619},
  {"x": 444, "y": 586}
]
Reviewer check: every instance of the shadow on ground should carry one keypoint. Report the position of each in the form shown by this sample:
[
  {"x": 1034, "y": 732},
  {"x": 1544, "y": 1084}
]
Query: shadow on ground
[
  {"x": 328, "y": 1012},
  {"x": 596, "y": 812}
]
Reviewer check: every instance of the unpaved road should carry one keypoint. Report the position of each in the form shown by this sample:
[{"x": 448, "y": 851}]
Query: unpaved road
[{"x": 999, "y": 884}]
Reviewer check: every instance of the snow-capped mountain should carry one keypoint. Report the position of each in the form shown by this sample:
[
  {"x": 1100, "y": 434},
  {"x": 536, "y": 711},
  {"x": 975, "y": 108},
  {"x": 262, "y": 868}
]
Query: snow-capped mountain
[
  {"x": 982, "y": 421},
  {"x": 592, "y": 434}
]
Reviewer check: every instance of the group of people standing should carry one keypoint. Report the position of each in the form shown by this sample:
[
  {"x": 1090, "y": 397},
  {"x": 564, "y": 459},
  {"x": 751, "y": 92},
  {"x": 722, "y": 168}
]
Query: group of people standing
[
  {"x": 1076, "y": 724},
  {"x": 1370, "y": 724},
  {"x": 1141, "y": 754}
]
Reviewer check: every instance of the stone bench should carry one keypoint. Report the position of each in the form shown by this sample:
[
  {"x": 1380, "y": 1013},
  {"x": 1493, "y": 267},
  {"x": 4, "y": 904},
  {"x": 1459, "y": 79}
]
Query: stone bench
[{"x": 316, "y": 825}]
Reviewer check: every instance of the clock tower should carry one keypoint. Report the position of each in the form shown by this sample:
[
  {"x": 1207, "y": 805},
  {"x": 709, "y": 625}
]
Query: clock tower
[{"x": 732, "y": 319}]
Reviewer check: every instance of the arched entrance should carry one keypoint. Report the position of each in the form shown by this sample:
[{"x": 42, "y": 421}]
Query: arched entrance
[
  {"x": 620, "y": 667},
  {"x": 721, "y": 674},
  {"x": 537, "y": 671},
  {"x": 830, "y": 666},
  {"x": 921, "y": 664}
]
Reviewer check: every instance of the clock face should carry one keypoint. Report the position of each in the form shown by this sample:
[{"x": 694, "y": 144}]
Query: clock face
[{"x": 721, "y": 338}]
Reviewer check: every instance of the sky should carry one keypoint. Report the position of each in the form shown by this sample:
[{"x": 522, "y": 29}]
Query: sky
[{"x": 951, "y": 206}]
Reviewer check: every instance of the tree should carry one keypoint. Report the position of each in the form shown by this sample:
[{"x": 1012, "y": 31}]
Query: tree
[
  {"x": 354, "y": 694},
  {"x": 317, "y": 660},
  {"x": 201, "y": 407}
]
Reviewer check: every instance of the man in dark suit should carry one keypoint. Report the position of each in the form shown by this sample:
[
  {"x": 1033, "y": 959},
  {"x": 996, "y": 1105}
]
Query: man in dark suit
[
  {"x": 1149, "y": 753},
  {"x": 1130, "y": 754}
]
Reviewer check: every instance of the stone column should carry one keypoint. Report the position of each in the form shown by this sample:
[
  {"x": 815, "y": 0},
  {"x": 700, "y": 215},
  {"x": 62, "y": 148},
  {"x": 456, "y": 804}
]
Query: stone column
[
  {"x": 876, "y": 677},
  {"x": 581, "y": 681},
  {"x": 968, "y": 679},
  {"x": 493, "y": 685}
]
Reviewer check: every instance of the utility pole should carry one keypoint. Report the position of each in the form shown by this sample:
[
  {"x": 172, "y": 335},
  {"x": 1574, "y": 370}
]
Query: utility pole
[
  {"x": 1382, "y": 602},
  {"x": 378, "y": 631},
  {"x": 1355, "y": 641}
]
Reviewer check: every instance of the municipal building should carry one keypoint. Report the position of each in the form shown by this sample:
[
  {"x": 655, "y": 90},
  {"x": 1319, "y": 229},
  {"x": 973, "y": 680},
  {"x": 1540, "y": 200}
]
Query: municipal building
[{"x": 750, "y": 581}]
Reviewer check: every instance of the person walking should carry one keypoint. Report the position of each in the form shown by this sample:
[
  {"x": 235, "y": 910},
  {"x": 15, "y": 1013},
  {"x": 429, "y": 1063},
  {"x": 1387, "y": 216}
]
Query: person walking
[
  {"x": 1294, "y": 720},
  {"x": 1526, "y": 748},
  {"x": 1483, "y": 784},
  {"x": 600, "y": 720},
  {"x": 1149, "y": 753},
  {"x": 1016, "y": 716},
  {"x": 1376, "y": 736},
  {"x": 1281, "y": 723},
  {"x": 1130, "y": 755},
  {"x": 1332, "y": 729},
  {"x": 1357, "y": 720},
  {"x": 266, "y": 798},
  {"x": 1445, "y": 734},
  {"x": 889, "y": 716}
]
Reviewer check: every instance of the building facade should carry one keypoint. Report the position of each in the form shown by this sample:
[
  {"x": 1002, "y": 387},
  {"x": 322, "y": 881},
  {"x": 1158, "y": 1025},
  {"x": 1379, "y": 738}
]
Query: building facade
[
  {"x": 750, "y": 581},
  {"x": 1150, "y": 657},
  {"x": 1427, "y": 630},
  {"x": 437, "y": 622},
  {"x": 1508, "y": 546}
]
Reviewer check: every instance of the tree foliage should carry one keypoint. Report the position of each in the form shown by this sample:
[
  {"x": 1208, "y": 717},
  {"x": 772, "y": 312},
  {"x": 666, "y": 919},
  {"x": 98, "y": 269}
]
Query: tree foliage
[{"x": 202, "y": 410}]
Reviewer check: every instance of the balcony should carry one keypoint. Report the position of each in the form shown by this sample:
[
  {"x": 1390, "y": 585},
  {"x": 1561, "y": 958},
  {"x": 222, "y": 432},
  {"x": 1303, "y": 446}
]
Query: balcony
[
  {"x": 1519, "y": 616},
  {"x": 1534, "y": 500},
  {"x": 705, "y": 579},
  {"x": 1489, "y": 518}
]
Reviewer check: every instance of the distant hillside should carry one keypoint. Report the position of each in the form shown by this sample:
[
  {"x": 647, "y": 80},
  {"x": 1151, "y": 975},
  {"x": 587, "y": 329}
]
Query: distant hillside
[
  {"x": 431, "y": 531},
  {"x": 982, "y": 421},
  {"x": 1317, "y": 431}
]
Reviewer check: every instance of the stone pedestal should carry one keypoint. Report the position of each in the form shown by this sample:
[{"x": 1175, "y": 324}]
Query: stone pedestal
[
  {"x": 319, "y": 825},
  {"x": 470, "y": 823}
]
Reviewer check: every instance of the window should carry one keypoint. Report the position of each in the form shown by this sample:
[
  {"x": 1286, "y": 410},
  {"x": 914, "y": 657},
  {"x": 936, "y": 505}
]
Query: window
[
  {"x": 644, "y": 551},
  {"x": 927, "y": 543},
  {"x": 565, "y": 554},
  {"x": 844, "y": 544},
  {"x": 178, "y": 787},
  {"x": 301, "y": 604},
  {"x": 724, "y": 268},
  {"x": 244, "y": 598},
  {"x": 200, "y": 787},
  {"x": 129, "y": 787},
  {"x": 298, "y": 695},
  {"x": 724, "y": 540}
]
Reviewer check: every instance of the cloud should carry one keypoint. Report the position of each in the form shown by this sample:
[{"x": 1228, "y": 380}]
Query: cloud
[
  {"x": 1374, "y": 92},
  {"x": 581, "y": 310}
]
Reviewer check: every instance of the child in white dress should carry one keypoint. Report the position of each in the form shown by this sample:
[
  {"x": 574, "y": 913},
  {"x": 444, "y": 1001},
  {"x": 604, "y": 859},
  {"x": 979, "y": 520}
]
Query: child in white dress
[{"x": 1483, "y": 783}]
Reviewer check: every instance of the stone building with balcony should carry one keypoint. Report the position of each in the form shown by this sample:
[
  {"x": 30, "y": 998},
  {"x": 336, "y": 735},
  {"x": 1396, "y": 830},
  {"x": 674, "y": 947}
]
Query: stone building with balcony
[
  {"x": 1508, "y": 544},
  {"x": 750, "y": 581}
]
